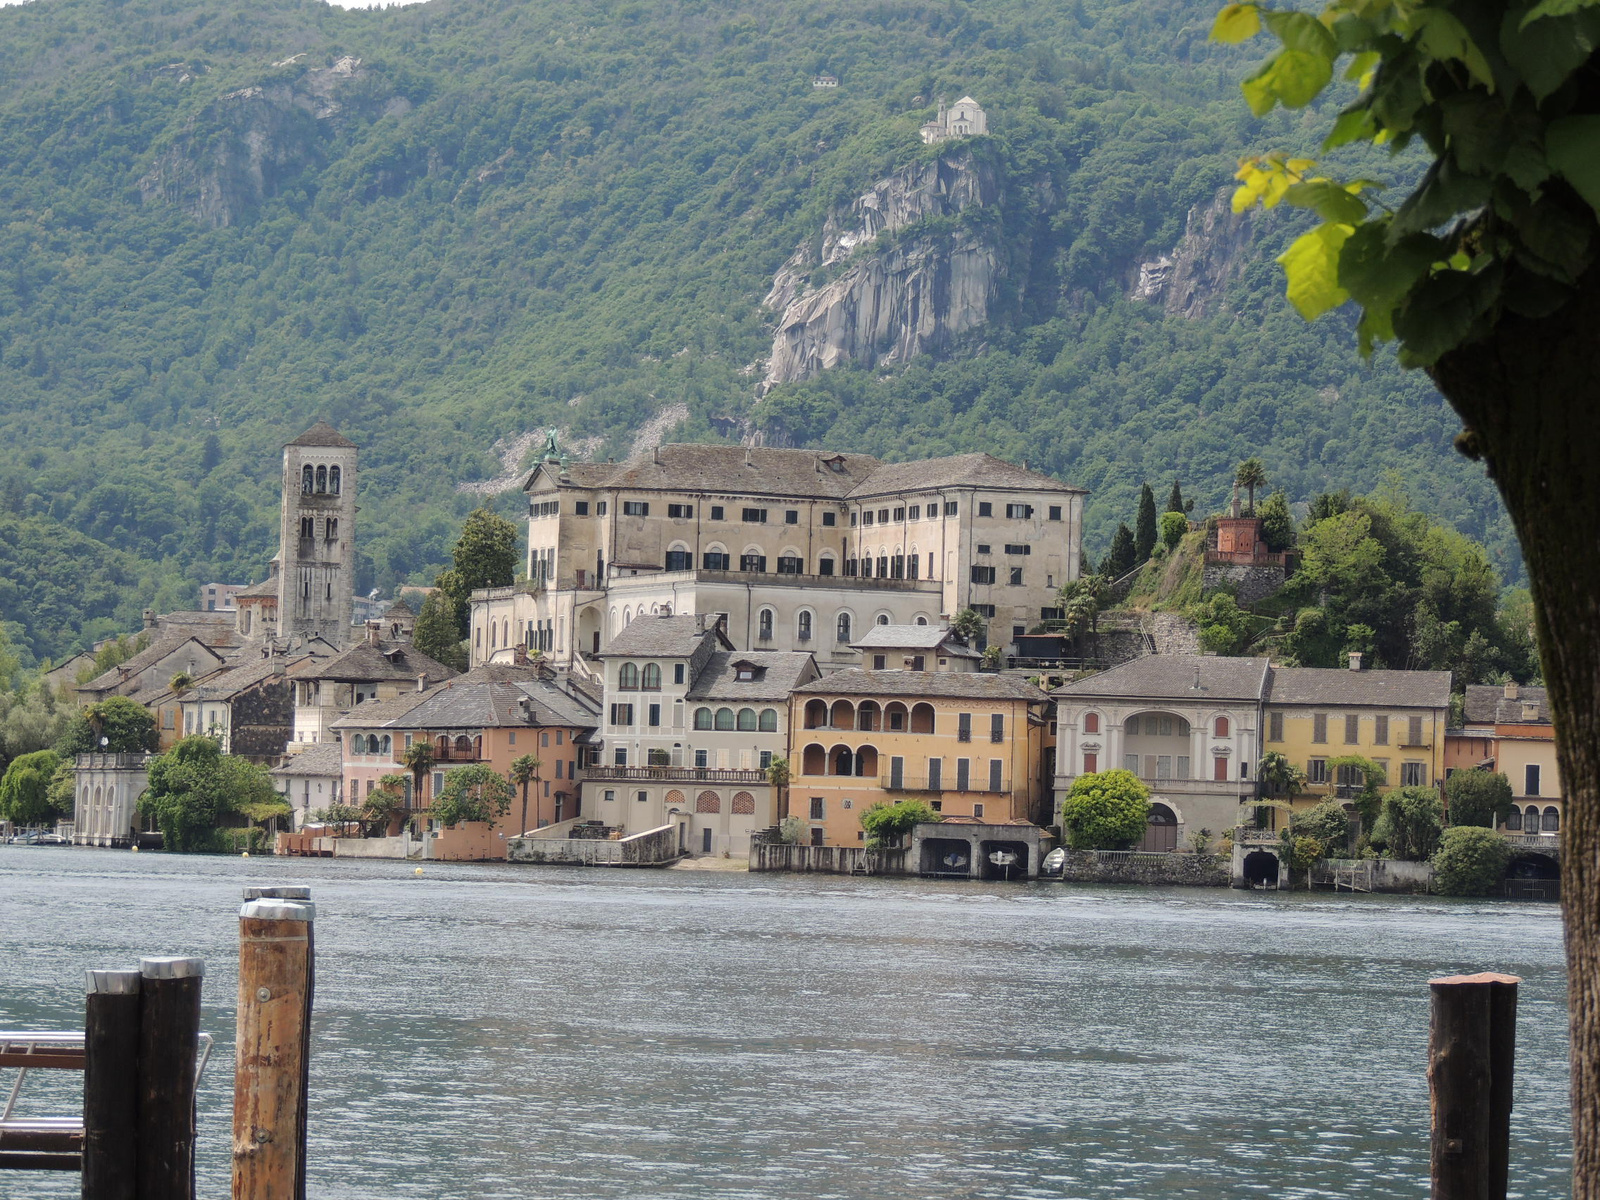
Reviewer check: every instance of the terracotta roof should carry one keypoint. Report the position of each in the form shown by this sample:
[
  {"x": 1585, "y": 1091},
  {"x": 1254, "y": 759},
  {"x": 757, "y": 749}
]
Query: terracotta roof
[
  {"x": 323, "y": 434},
  {"x": 780, "y": 673},
  {"x": 958, "y": 470},
  {"x": 976, "y": 685},
  {"x": 1173, "y": 677},
  {"x": 322, "y": 758},
  {"x": 664, "y": 637},
  {"x": 368, "y": 664},
  {"x": 1382, "y": 689},
  {"x": 1487, "y": 705}
]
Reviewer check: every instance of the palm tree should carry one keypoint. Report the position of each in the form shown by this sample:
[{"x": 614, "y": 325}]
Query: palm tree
[
  {"x": 525, "y": 770},
  {"x": 1250, "y": 476},
  {"x": 418, "y": 756},
  {"x": 778, "y": 777},
  {"x": 969, "y": 626}
]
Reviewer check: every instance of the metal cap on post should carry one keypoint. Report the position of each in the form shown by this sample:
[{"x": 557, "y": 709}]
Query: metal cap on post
[
  {"x": 110, "y": 1083},
  {"x": 169, "y": 1043},
  {"x": 284, "y": 892},
  {"x": 271, "y": 1067}
]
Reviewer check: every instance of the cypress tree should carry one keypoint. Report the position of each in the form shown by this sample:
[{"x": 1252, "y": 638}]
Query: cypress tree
[
  {"x": 1144, "y": 529},
  {"x": 1175, "y": 499},
  {"x": 1119, "y": 559}
]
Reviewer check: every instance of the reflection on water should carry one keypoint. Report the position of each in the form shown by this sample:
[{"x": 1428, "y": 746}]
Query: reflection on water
[{"x": 494, "y": 1031}]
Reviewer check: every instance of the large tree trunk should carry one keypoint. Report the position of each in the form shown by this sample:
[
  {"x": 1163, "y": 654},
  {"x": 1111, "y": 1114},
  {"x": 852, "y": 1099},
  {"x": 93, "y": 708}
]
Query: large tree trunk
[{"x": 1530, "y": 399}]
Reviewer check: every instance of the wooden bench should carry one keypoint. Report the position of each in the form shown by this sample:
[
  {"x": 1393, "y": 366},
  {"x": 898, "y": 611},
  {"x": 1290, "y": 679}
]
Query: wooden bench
[{"x": 40, "y": 1143}]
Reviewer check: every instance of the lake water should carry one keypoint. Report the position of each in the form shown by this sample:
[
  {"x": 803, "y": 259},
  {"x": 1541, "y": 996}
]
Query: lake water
[{"x": 496, "y": 1031}]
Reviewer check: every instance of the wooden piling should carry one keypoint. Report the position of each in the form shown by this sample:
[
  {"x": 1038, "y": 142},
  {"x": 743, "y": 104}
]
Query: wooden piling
[
  {"x": 1471, "y": 1055},
  {"x": 269, "y": 1070},
  {"x": 299, "y": 893},
  {"x": 169, "y": 1043},
  {"x": 110, "y": 1084}
]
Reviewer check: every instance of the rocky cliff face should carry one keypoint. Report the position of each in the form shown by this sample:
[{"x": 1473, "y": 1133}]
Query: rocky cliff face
[
  {"x": 245, "y": 145},
  {"x": 887, "y": 304},
  {"x": 1215, "y": 246}
]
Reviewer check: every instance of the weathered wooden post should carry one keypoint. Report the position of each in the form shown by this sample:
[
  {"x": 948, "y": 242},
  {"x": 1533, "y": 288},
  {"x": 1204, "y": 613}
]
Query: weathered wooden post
[
  {"x": 110, "y": 1084},
  {"x": 1471, "y": 1055},
  {"x": 169, "y": 1043},
  {"x": 299, "y": 893},
  {"x": 269, "y": 1071}
]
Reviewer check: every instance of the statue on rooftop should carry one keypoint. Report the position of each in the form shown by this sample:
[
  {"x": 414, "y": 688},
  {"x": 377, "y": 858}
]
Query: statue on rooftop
[{"x": 550, "y": 450}]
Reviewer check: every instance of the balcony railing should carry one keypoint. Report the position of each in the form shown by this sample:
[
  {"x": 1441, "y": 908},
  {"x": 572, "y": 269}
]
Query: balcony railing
[
  {"x": 920, "y": 783},
  {"x": 455, "y": 755},
  {"x": 678, "y": 774}
]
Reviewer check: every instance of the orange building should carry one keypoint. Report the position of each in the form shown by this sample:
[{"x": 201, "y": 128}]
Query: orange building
[{"x": 1508, "y": 729}]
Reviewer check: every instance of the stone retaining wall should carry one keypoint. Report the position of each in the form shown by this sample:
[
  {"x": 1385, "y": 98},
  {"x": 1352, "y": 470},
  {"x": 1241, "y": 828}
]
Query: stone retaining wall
[
  {"x": 1134, "y": 866},
  {"x": 1249, "y": 584}
]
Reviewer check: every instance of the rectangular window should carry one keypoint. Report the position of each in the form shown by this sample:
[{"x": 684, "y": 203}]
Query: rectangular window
[
  {"x": 883, "y": 516},
  {"x": 852, "y": 520},
  {"x": 1163, "y": 766},
  {"x": 825, "y": 567},
  {"x": 1380, "y": 731},
  {"x": 918, "y": 663},
  {"x": 964, "y": 727},
  {"x": 654, "y": 714},
  {"x": 766, "y": 759},
  {"x": 1052, "y": 614},
  {"x": 1018, "y": 548},
  {"x": 715, "y": 561},
  {"x": 879, "y": 661},
  {"x": 997, "y": 727},
  {"x": 1319, "y": 727},
  {"x": 915, "y": 514},
  {"x": 679, "y": 560},
  {"x": 600, "y": 508},
  {"x": 1352, "y": 729},
  {"x": 995, "y": 766},
  {"x": 1130, "y": 762},
  {"x": 897, "y": 772},
  {"x": 985, "y": 509},
  {"x": 830, "y": 519},
  {"x": 581, "y": 507},
  {"x": 622, "y": 714},
  {"x": 1414, "y": 731},
  {"x": 963, "y": 774},
  {"x": 950, "y": 508},
  {"x": 1055, "y": 512},
  {"x": 913, "y": 567},
  {"x": 791, "y": 516},
  {"x": 681, "y": 511},
  {"x": 610, "y": 796},
  {"x": 1275, "y": 727},
  {"x": 866, "y": 517},
  {"x": 983, "y": 610},
  {"x": 717, "y": 512},
  {"x": 1219, "y": 770},
  {"x": 1530, "y": 779},
  {"x": 1183, "y": 766},
  {"x": 981, "y": 574},
  {"x": 558, "y": 768},
  {"x": 1317, "y": 770},
  {"x": 816, "y": 836},
  {"x": 816, "y": 808},
  {"x": 900, "y": 514},
  {"x": 1016, "y": 576},
  {"x": 755, "y": 516},
  {"x": 753, "y": 562},
  {"x": 677, "y": 673},
  {"x": 977, "y": 812},
  {"x": 619, "y": 756},
  {"x": 1091, "y": 762},
  {"x": 641, "y": 797},
  {"x": 788, "y": 564},
  {"x": 1413, "y": 774},
  {"x": 702, "y": 758},
  {"x": 983, "y": 547},
  {"x": 1019, "y": 512},
  {"x": 935, "y": 774}
]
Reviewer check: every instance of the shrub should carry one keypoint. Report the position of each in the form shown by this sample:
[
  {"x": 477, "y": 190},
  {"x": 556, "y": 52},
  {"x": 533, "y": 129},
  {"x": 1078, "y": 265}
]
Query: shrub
[
  {"x": 1470, "y": 861},
  {"x": 791, "y": 831},
  {"x": 1329, "y": 824},
  {"x": 1108, "y": 810},
  {"x": 1173, "y": 526},
  {"x": 1409, "y": 823},
  {"x": 1477, "y": 798},
  {"x": 884, "y": 823},
  {"x": 194, "y": 786},
  {"x": 1303, "y": 852},
  {"x": 127, "y": 726},
  {"x": 476, "y": 793}
]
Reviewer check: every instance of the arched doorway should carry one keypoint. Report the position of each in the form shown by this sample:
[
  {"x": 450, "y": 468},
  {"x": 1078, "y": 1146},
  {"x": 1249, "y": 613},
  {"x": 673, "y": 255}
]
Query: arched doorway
[
  {"x": 1261, "y": 869},
  {"x": 1533, "y": 877},
  {"x": 1161, "y": 833}
]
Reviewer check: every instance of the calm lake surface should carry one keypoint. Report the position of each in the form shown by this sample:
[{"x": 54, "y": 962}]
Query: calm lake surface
[{"x": 496, "y": 1031}]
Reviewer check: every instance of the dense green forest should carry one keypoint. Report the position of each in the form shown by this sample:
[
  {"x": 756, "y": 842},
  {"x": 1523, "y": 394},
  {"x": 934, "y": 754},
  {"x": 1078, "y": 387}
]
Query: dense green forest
[{"x": 514, "y": 214}]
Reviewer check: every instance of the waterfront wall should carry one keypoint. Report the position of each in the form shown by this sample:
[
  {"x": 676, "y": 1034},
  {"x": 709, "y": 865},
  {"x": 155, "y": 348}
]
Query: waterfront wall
[
  {"x": 826, "y": 860},
  {"x": 649, "y": 848},
  {"x": 1134, "y": 866},
  {"x": 1373, "y": 875}
]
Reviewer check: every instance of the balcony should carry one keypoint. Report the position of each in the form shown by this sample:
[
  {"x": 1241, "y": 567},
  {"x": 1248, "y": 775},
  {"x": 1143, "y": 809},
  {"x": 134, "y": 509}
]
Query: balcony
[
  {"x": 920, "y": 783},
  {"x": 456, "y": 754},
  {"x": 676, "y": 774}
]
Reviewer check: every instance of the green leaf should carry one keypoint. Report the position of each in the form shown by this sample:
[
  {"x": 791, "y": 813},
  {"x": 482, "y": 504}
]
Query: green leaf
[
  {"x": 1556, "y": 8},
  {"x": 1525, "y": 166},
  {"x": 1293, "y": 79},
  {"x": 1312, "y": 264},
  {"x": 1572, "y": 147},
  {"x": 1440, "y": 313},
  {"x": 1445, "y": 192},
  {"x": 1236, "y": 23},
  {"x": 1446, "y": 38},
  {"x": 1558, "y": 237},
  {"x": 1477, "y": 128},
  {"x": 1378, "y": 272},
  {"x": 1303, "y": 32},
  {"x": 1352, "y": 125},
  {"x": 1332, "y": 202},
  {"x": 1547, "y": 51}
]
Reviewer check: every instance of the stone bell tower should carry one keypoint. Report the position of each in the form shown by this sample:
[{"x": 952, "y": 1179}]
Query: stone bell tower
[{"x": 316, "y": 546}]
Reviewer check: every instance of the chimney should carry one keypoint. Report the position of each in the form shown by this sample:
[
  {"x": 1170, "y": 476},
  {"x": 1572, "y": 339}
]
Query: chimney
[
  {"x": 149, "y": 618},
  {"x": 748, "y": 459},
  {"x": 1196, "y": 677},
  {"x": 374, "y": 633},
  {"x": 1355, "y": 660},
  {"x": 519, "y": 655},
  {"x": 1511, "y": 690},
  {"x": 655, "y": 454},
  {"x": 422, "y": 683}
]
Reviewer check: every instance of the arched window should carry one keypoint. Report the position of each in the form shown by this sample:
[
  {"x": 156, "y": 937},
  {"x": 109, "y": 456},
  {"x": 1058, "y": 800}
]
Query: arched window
[
  {"x": 1514, "y": 818},
  {"x": 494, "y": 632},
  {"x": 769, "y": 720},
  {"x": 505, "y": 632},
  {"x": 1091, "y": 722},
  {"x": 765, "y": 625},
  {"x": 724, "y": 718},
  {"x": 843, "y": 762},
  {"x": 628, "y": 677},
  {"x": 844, "y": 627},
  {"x": 1551, "y": 822},
  {"x": 883, "y": 618},
  {"x": 358, "y": 744},
  {"x": 387, "y": 747},
  {"x": 308, "y": 481},
  {"x": 1222, "y": 727},
  {"x": 702, "y": 718},
  {"x": 463, "y": 744},
  {"x": 650, "y": 678},
  {"x": 922, "y": 620},
  {"x": 816, "y": 714},
  {"x": 813, "y": 761},
  {"x": 477, "y": 746},
  {"x": 322, "y": 479},
  {"x": 708, "y": 802},
  {"x": 333, "y": 480},
  {"x": 443, "y": 750},
  {"x": 1530, "y": 822},
  {"x": 802, "y": 629},
  {"x": 744, "y": 804},
  {"x": 747, "y": 720}
]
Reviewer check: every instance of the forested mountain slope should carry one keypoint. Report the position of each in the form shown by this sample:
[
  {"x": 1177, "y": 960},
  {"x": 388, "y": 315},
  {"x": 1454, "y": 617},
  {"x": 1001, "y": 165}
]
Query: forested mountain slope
[{"x": 449, "y": 224}]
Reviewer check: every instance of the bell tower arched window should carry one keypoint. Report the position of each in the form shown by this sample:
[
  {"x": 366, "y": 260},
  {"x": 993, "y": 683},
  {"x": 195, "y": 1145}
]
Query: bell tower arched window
[
  {"x": 322, "y": 479},
  {"x": 334, "y": 480},
  {"x": 307, "y": 481}
]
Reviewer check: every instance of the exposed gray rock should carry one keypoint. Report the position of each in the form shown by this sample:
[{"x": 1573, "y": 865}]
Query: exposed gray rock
[
  {"x": 889, "y": 303},
  {"x": 1216, "y": 244}
]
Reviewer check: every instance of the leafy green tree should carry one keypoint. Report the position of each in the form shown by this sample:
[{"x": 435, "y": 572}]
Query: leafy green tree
[
  {"x": 1144, "y": 527},
  {"x": 1304, "y": 851},
  {"x": 524, "y": 770},
  {"x": 25, "y": 789},
  {"x": 1251, "y": 475},
  {"x": 380, "y": 806},
  {"x": 1477, "y": 798},
  {"x": 484, "y": 556},
  {"x": 1328, "y": 823},
  {"x": 63, "y": 792},
  {"x": 1408, "y": 824},
  {"x": 1277, "y": 522},
  {"x": 1120, "y": 559},
  {"x": 1361, "y": 639},
  {"x": 1470, "y": 861},
  {"x": 791, "y": 831},
  {"x": 1372, "y": 776},
  {"x": 475, "y": 793},
  {"x": 1106, "y": 810},
  {"x": 1173, "y": 526},
  {"x": 437, "y": 633},
  {"x": 127, "y": 726},
  {"x": 195, "y": 788},
  {"x": 10, "y": 661},
  {"x": 969, "y": 627},
  {"x": 33, "y": 721},
  {"x": 1225, "y": 628},
  {"x": 889, "y": 823},
  {"x": 1279, "y": 776}
]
